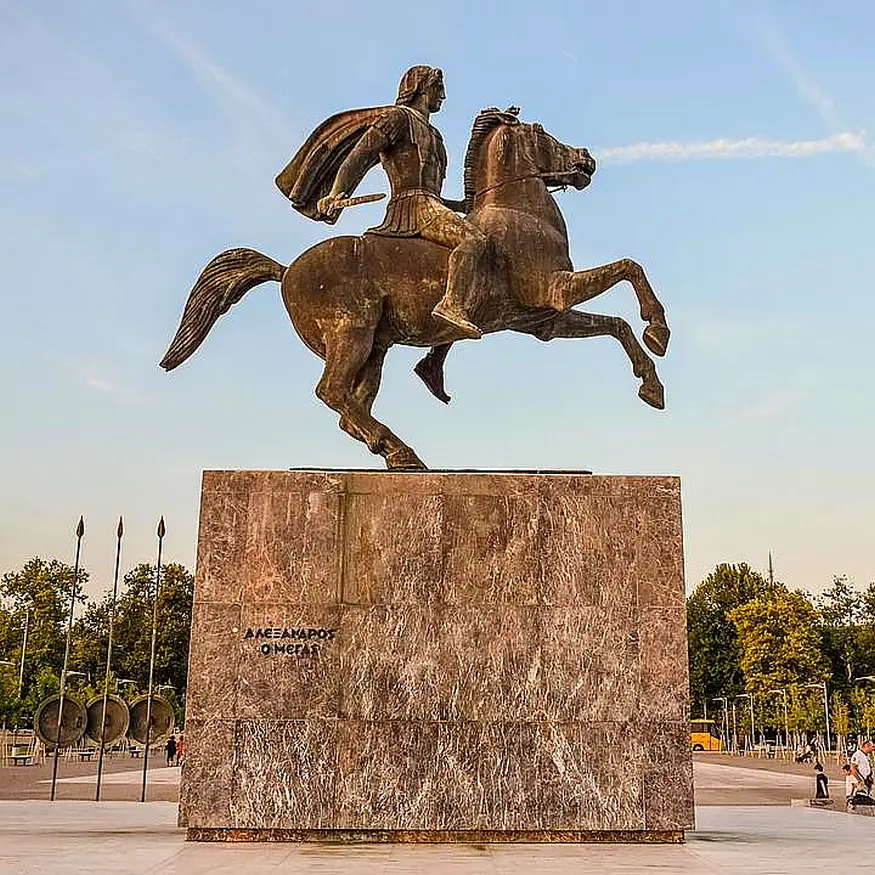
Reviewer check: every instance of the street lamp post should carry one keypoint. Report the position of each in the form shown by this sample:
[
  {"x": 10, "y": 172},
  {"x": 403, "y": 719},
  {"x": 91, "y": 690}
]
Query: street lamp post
[
  {"x": 783, "y": 692},
  {"x": 724, "y": 719},
  {"x": 734, "y": 730},
  {"x": 749, "y": 697},
  {"x": 822, "y": 685},
  {"x": 23, "y": 649}
]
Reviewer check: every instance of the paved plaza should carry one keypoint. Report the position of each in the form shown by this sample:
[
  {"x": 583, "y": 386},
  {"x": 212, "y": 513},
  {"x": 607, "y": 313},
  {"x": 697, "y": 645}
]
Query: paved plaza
[{"x": 124, "y": 838}]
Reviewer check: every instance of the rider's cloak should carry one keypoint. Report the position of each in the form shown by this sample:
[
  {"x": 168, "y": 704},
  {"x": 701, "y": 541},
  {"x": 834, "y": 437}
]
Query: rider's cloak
[{"x": 311, "y": 173}]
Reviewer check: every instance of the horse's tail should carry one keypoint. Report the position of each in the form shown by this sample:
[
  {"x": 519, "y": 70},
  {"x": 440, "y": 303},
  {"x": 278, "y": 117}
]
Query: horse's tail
[{"x": 222, "y": 283}]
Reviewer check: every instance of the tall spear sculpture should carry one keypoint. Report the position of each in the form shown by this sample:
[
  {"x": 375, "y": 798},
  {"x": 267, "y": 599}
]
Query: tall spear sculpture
[
  {"x": 80, "y": 531},
  {"x": 118, "y": 554},
  {"x": 161, "y": 530}
]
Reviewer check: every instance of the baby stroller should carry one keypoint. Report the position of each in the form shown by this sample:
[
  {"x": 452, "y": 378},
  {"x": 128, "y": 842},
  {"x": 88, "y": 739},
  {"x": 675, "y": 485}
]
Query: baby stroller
[{"x": 861, "y": 797}]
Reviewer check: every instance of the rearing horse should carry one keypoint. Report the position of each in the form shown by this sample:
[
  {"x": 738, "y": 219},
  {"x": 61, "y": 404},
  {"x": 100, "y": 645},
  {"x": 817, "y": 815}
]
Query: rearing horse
[{"x": 351, "y": 298}]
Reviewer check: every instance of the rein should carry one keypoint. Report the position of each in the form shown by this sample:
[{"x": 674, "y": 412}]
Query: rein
[{"x": 526, "y": 178}]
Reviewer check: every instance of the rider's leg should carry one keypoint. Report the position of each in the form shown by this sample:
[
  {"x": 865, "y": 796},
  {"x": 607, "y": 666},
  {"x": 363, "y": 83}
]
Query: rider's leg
[{"x": 466, "y": 269}]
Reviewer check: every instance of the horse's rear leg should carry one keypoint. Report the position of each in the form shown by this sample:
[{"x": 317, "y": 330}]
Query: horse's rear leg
[
  {"x": 573, "y": 323},
  {"x": 346, "y": 354},
  {"x": 568, "y": 288},
  {"x": 367, "y": 384}
]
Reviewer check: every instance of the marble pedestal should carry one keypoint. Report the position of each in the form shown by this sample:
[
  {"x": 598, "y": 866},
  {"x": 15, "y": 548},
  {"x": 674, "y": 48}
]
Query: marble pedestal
[{"x": 438, "y": 657}]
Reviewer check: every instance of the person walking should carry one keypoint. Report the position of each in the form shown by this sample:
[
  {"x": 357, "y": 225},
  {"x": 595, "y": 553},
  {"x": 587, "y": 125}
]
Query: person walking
[
  {"x": 180, "y": 749},
  {"x": 170, "y": 750}
]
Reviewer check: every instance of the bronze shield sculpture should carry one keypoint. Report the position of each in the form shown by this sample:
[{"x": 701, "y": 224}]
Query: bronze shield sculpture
[{"x": 351, "y": 298}]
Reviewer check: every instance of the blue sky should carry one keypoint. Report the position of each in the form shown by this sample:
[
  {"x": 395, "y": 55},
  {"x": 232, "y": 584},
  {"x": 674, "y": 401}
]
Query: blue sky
[{"x": 140, "y": 139}]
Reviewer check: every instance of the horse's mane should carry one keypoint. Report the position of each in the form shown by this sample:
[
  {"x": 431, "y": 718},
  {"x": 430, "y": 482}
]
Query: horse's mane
[{"x": 487, "y": 120}]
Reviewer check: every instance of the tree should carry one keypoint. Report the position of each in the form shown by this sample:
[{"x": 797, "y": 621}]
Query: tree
[
  {"x": 44, "y": 587},
  {"x": 844, "y": 638},
  {"x": 133, "y": 629},
  {"x": 780, "y": 645},
  {"x": 714, "y": 650}
]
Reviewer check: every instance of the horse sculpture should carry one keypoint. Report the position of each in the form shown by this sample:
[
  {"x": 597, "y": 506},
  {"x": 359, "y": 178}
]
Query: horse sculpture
[{"x": 352, "y": 298}]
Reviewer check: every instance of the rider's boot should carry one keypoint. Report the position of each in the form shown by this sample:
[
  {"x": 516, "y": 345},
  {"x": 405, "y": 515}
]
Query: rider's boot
[
  {"x": 463, "y": 285},
  {"x": 450, "y": 312}
]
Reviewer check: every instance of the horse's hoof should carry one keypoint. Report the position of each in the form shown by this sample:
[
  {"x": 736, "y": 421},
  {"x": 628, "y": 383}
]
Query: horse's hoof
[
  {"x": 656, "y": 338},
  {"x": 653, "y": 394},
  {"x": 433, "y": 377},
  {"x": 404, "y": 459}
]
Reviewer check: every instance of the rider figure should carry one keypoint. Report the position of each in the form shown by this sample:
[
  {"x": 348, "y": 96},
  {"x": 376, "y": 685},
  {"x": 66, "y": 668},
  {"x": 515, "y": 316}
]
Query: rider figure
[{"x": 412, "y": 153}]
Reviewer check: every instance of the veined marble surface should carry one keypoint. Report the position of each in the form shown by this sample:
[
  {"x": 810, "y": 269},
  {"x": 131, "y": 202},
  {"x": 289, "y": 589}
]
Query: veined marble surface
[{"x": 438, "y": 651}]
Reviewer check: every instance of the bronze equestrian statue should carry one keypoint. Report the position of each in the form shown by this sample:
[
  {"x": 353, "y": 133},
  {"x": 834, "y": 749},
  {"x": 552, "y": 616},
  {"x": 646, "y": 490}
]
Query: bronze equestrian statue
[{"x": 427, "y": 276}]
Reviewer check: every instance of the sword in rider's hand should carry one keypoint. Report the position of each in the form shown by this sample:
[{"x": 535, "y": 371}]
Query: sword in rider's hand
[{"x": 344, "y": 202}]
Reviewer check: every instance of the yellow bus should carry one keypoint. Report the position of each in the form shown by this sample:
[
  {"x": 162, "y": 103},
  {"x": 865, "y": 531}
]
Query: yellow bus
[{"x": 704, "y": 735}]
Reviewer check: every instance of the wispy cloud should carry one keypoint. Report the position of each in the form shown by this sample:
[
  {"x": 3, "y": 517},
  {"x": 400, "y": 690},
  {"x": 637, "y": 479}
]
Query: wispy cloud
[
  {"x": 811, "y": 91},
  {"x": 232, "y": 94},
  {"x": 748, "y": 147},
  {"x": 808, "y": 88}
]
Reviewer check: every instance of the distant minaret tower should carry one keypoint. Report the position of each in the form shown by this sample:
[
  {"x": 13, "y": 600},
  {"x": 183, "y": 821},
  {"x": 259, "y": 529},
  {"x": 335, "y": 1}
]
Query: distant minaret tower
[{"x": 771, "y": 570}]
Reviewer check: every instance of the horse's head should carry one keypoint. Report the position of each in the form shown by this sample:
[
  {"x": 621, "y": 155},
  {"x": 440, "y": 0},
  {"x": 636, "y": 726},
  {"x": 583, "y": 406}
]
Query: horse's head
[
  {"x": 503, "y": 149},
  {"x": 557, "y": 163}
]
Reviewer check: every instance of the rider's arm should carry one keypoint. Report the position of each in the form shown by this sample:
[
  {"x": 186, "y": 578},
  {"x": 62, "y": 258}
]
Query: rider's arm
[{"x": 378, "y": 138}]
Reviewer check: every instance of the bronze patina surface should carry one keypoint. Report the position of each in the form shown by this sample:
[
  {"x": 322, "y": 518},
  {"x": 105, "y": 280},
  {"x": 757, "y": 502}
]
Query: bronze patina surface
[{"x": 435, "y": 271}]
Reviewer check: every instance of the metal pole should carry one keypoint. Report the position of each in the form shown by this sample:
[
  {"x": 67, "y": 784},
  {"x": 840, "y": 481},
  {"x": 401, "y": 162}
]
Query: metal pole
[
  {"x": 786, "y": 724},
  {"x": 161, "y": 530},
  {"x": 734, "y": 730},
  {"x": 752, "y": 728},
  {"x": 826, "y": 714},
  {"x": 23, "y": 649},
  {"x": 118, "y": 555},
  {"x": 726, "y": 725},
  {"x": 80, "y": 531}
]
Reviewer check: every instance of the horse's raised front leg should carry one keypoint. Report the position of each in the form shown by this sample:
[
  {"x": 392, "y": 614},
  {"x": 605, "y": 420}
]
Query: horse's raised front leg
[
  {"x": 573, "y": 323},
  {"x": 350, "y": 392},
  {"x": 568, "y": 288}
]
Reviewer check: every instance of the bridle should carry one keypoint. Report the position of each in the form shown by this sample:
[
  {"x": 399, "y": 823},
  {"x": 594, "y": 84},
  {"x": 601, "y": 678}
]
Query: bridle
[{"x": 559, "y": 187}]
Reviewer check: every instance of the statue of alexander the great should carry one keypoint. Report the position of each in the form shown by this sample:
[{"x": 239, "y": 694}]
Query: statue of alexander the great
[
  {"x": 426, "y": 276},
  {"x": 339, "y": 153}
]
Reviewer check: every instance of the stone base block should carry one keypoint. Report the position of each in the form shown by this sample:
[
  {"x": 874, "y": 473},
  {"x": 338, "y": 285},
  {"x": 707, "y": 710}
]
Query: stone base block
[
  {"x": 430, "y": 836},
  {"x": 438, "y": 657}
]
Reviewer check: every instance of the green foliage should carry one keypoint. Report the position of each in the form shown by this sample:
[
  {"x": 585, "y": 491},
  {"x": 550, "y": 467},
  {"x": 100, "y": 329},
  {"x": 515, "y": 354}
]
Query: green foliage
[
  {"x": 714, "y": 649},
  {"x": 779, "y": 640},
  {"x": 840, "y": 715},
  {"x": 748, "y": 635},
  {"x": 847, "y": 631},
  {"x": 132, "y": 633},
  {"x": 45, "y": 588}
]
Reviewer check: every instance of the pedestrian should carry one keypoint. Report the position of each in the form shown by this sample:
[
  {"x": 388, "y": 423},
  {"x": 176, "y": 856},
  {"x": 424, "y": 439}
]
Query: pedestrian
[
  {"x": 180, "y": 749},
  {"x": 821, "y": 783},
  {"x": 851, "y": 785},
  {"x": 803, "y": 753},
  {"x": 170, "y": 750},
  {"x": 861, "y": 767}
]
